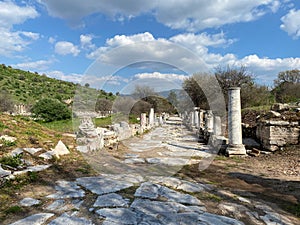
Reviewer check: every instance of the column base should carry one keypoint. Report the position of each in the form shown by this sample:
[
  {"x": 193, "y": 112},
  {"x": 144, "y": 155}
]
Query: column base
[{"x": 236, "y": 150}]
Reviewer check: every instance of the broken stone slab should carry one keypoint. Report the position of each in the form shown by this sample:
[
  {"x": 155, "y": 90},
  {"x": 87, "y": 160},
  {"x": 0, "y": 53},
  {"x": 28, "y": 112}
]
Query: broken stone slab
[
  {"x": 148, "y": 190},
  {"x": 47, "y": 155},
  {"x": 4, "y": 173},
  {"x": 27, "y": 202},
  {"x": 60, "y": 149},
  {"x": 32, "y": 151},
  {"x": 37, "y": 168},
  {"x": 61, "y": 205},
  {"x": 66, "y": 189},
  {"x": 180, "y": 184},
  {"x": 16, "y": 152},
  {"x": 118, "y": 215},
  {"x": 111, "y": 200},
  {"x": 36, "y": 219},
  {"x": 103, "y": 185},
  {"x": 66, "y": 219},
  {"x": 212, "y": 219},
  {"x": 175, "y": 196}
]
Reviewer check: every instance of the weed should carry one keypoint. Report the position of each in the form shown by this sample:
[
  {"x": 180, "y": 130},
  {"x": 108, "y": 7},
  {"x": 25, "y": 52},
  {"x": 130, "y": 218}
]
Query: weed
[
  {"x": 2, "y": 126},
  {"x": 12, "y": 161},
  {"x": 7, "y": 143},
  {"x": 13, "y": 209}
]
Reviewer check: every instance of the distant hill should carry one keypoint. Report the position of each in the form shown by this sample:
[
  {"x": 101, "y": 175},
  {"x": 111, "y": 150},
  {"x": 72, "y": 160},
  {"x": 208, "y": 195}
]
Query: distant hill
[{"x": 27, "y": 87}]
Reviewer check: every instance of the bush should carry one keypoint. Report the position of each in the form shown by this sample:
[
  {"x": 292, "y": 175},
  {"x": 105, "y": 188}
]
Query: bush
[{"x": 49, "y": 110}]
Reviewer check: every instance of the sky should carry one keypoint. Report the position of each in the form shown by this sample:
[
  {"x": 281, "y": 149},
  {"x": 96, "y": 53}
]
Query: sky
[{"x": 115, "y": 45}]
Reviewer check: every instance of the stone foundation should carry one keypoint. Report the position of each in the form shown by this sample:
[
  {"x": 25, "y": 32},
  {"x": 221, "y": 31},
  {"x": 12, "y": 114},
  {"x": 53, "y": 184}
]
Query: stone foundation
[{"x": 274, "y": 135}]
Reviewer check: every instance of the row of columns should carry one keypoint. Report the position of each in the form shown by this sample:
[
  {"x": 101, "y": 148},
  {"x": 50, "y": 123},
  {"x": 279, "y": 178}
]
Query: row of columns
[
  {"x": 209, "y": 126},
  {"x": 152, "y": 121}
]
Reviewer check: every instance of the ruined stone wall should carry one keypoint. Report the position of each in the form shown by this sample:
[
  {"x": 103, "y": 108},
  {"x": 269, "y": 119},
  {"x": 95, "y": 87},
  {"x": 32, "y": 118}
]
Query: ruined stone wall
[{"x": 274, "y": 135}]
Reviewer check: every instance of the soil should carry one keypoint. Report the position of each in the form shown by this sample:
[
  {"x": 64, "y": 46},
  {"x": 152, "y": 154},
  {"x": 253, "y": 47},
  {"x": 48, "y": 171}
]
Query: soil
[{"x": 273, "y": 178}]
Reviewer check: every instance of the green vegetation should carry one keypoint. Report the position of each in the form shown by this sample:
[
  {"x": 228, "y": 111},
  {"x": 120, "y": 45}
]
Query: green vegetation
[
  {"x": 48, "y": 110},
  {"x": 12, "y": 161},
  {"x": 26, "y": 87}
]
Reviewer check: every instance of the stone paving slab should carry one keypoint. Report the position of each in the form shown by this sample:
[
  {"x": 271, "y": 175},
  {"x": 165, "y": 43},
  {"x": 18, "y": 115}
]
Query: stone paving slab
[
  {"x": 118, "y": 215},
  {"x": 66, "y": 219},
  {"x": 27, "y": 202},
  {"x": 103, "y": 185},
  {"x": 111, "y": 200},
  {"x": 36, "y": 219}
]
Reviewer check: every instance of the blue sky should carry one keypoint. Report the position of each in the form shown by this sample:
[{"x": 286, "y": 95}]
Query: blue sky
[{"x": 115, "y": 45}]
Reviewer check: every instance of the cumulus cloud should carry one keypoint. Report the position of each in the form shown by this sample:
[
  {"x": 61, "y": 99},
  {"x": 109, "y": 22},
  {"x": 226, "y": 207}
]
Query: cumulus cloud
[
  {"x": 66, "y": 48},
  {"x": 194, "y": 56},
  {"x": 158, "y": 75},
  {"x": 36, "y": 65},
  {"x": 190, "y": 15},
  {"x": 291, "y": 23},
  {"x": 86, "y": 41},
  {"x": 10, "y": 15},
  {"x": 75, "y": 78}
]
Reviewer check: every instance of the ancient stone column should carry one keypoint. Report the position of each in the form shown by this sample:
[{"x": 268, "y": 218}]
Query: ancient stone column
[
  {"x": 235, "y": 146},
  {"x": 143, "y": 120},
  {"x": 196, "y": 117},
  {"x": 217, "y": 126},
  {"x": 201, "y": 118},
  {"x": 192, "y": 118},
  {"x": 151, "y": 117},
  {"x": 209, "y": 122}
]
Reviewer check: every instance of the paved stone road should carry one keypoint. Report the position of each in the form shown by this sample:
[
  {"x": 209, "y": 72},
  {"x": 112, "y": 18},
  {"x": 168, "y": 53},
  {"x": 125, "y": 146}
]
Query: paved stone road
[{"x": 157, "y": 198}]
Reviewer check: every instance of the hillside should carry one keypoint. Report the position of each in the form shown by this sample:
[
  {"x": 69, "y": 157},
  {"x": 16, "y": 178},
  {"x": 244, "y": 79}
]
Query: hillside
[{"x": 27, "y": 87}]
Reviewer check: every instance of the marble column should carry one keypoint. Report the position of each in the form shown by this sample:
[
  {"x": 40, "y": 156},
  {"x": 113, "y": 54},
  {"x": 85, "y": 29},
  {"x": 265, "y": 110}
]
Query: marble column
[
  {"x": 192, "y": 118},
  {"x": 235, "y": 146},
  {"x": 151, "y": 117},
  {"x": 209, "y": 122},
  {"x": 201, "y": 118},
  {"x": 143, "y": 120},
  {"x": 196, "y": 117},
  {"x": 217, "y": 126}
]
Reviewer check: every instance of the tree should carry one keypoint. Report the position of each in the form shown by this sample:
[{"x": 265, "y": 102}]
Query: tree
[
  {"x": 6, "y": 102},
  {"x": 103, "y": 104},
  {"x": 291, "y": 76},
  {"x": 142, "y": 92},
  {"x": 48, "y": 109},
  {"x": 287, "y": 86},
  {"x": 172, "y": 98},
  {"x": 256, "y": 95}
]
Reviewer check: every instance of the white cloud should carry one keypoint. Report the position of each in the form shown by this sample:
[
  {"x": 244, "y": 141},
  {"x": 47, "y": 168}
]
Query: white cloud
[
  {"x": 11, "y": 42},
  {"x": 37, "y": 65},
  {"x": 66, "y": 48},
  {"x": 10, "y": 15},
  {"x": 75, "y": 78},
  {"x": 158, "y": 75},
  {"x": 86, "y": 41},
  {"x": 190, "y": 15},
  {"x": 193, "y": 57},
  {"x": 291, "y": 23}
]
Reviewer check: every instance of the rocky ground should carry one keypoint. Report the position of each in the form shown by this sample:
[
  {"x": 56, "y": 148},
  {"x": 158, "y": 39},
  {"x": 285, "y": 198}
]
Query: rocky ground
[{"x": 164, "y": 177}]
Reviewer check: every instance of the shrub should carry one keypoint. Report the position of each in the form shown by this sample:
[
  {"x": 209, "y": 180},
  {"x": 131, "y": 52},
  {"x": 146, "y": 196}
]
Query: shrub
[{"x": 49, "y": 110}]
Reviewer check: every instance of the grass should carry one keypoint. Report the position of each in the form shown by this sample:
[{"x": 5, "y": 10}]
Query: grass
[
  {"x": 64, "y": 126},
  {"x": 12, "y": 161}
]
